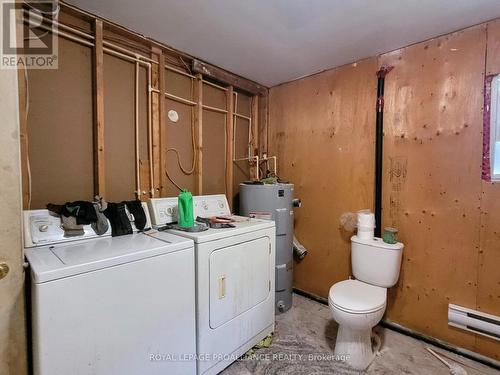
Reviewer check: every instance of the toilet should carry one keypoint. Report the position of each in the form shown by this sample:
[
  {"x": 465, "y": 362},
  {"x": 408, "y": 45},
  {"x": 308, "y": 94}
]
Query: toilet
[{"x": 358, "y": 305}]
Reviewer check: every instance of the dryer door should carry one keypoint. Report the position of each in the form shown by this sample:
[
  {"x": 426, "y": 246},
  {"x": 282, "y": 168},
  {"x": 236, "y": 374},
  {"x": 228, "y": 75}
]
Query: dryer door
[{"x": 240, "y": 279}]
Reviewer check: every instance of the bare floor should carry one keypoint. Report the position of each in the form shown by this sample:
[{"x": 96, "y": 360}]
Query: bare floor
[{"x": 304, "y": 340}]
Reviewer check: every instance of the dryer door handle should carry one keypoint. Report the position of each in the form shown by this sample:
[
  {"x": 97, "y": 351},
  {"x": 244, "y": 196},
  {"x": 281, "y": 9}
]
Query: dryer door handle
[{"x": 222, "y": 287}]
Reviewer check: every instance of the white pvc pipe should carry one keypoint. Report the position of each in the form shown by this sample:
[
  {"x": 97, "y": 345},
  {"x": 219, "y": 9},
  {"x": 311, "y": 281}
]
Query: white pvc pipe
[
  {"x": 214, "y": 109},
  {"x": 33, "y": 15},
  {"x": 179, "y": 99},
  {"x": 126, "y": 51},
  {"x": 150, "y": 137},
  {"x": 136, "y": 130},
  {"x": 214, "y": 85},
  {"x": 61, "y": 33},
  {"x": 122, "y": 53},
  {"x": 172, "y": 69}
]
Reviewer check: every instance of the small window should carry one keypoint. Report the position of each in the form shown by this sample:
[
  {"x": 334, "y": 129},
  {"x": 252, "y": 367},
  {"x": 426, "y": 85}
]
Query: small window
[{"x": 494, "y": 129}]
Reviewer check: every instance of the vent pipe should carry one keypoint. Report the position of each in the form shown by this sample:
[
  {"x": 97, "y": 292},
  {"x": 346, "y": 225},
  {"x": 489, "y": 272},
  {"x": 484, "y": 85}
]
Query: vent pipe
[{"x": 379, "y": 144}]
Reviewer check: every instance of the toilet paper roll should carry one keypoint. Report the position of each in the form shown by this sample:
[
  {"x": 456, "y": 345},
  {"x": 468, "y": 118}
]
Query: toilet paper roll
[
  {"x": 366, "y": 219},
  {"x": 365, "y": 233}
]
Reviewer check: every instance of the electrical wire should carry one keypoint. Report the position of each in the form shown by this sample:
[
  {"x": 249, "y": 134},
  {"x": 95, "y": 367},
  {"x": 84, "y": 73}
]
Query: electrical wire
[
  {"x": 172, "y": 181},
  {"x": 177, "y": 153},
  {"x": 185, "y": 65}
]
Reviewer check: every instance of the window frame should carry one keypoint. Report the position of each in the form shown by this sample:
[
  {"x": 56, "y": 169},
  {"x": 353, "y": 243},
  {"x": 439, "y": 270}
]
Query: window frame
[{"x": 494, "y": 127}]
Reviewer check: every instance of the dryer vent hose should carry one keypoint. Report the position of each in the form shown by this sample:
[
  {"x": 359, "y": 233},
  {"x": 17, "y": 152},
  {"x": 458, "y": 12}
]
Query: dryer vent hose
[{"x": 298, "y": 249}]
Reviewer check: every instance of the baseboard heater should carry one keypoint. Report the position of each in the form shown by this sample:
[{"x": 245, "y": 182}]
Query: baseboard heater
[{"x": 474, "y": 321}]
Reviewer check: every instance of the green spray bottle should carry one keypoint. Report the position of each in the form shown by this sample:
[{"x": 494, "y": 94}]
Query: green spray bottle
[{"x": 185, "y": 209}]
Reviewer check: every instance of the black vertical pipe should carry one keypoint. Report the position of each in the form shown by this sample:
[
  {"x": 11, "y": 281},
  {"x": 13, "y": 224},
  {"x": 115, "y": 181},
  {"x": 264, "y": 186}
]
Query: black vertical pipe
[{"x": 379, "y": 145}]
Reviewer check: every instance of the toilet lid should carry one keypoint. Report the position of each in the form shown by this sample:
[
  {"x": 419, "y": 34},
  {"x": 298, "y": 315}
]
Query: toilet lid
[{"x": 357, "y": 297}]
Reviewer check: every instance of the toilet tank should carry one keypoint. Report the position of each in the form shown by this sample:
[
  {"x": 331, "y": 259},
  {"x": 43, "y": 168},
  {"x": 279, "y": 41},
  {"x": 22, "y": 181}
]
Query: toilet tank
[{"x": 376, "y": 262}]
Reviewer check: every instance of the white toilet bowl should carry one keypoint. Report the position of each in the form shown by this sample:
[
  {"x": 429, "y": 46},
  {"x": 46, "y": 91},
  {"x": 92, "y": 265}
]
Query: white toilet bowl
[{"x": 357, "y": 307}]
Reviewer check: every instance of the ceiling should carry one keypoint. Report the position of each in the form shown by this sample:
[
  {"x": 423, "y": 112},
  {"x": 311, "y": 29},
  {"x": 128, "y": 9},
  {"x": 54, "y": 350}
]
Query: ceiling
[{"x": 274, "y": 41}]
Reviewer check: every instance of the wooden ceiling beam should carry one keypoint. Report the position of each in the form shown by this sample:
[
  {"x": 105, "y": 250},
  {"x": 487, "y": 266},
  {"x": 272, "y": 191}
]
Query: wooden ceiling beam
[{"x": 228, "y": 78}]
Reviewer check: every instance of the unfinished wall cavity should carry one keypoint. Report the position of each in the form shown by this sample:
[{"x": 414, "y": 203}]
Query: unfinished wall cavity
[
  {"x": 81, "y": 138},
  {"x": 60, "y": 128},
  {"x": 322, "y": 129},
  {"x": 119, "y": 136}
]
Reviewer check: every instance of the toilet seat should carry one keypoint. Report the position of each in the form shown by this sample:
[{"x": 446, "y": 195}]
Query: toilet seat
[{"x": 357, "y": 297}]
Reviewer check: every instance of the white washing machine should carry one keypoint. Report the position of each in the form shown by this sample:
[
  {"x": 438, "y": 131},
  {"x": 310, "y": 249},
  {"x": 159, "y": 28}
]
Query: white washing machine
[
  {"x": 234, "y": 280},
  {"x": 109, "y": 305}
]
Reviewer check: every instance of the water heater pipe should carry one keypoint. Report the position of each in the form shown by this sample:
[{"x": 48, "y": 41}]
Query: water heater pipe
[{"x": 379, "y": 144}]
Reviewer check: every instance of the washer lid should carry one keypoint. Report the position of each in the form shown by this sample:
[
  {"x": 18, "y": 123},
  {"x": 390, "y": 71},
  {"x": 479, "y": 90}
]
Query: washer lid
[
  {"x": 68, "y": 259},
  {"x": 357, "y": 297}
]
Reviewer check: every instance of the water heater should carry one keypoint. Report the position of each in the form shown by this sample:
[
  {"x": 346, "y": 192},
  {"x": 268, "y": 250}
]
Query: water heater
[{"x": 275, "y": 202}]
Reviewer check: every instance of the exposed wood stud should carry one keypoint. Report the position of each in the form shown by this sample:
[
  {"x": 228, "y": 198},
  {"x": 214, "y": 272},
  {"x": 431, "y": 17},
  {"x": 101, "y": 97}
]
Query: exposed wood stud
[
  {"x": 161, "y": 124},
  {"x": 254, "y": 134},
  {"x": 229, "y": 144},
  {"x": 156, "y": 113},
  {"x": 136, "y": 131},
  {"x": 198, "y": 125},
  {"x": 98, "y": 86},
  {"x": 263, "y": 123}
]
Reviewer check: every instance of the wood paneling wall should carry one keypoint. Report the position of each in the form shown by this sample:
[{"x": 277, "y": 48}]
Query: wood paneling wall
[
  {"x": 432, "y": 179},
  {"x": 322, "y": 129}
]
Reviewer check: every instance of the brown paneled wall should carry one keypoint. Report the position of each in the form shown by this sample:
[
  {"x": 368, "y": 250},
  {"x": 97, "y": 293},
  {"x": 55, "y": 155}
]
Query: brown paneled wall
[
  {"x": 322, "y": 129},
  {"x": 60, "y": 124}
]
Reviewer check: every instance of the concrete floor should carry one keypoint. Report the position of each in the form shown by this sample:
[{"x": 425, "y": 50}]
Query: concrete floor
[{"x": 308, "y": 330}]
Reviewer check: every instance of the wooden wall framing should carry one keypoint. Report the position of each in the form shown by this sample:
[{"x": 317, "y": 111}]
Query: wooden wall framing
[
  {"x": 105, "y": 37},
  {"x": 98, "y": 86}
]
